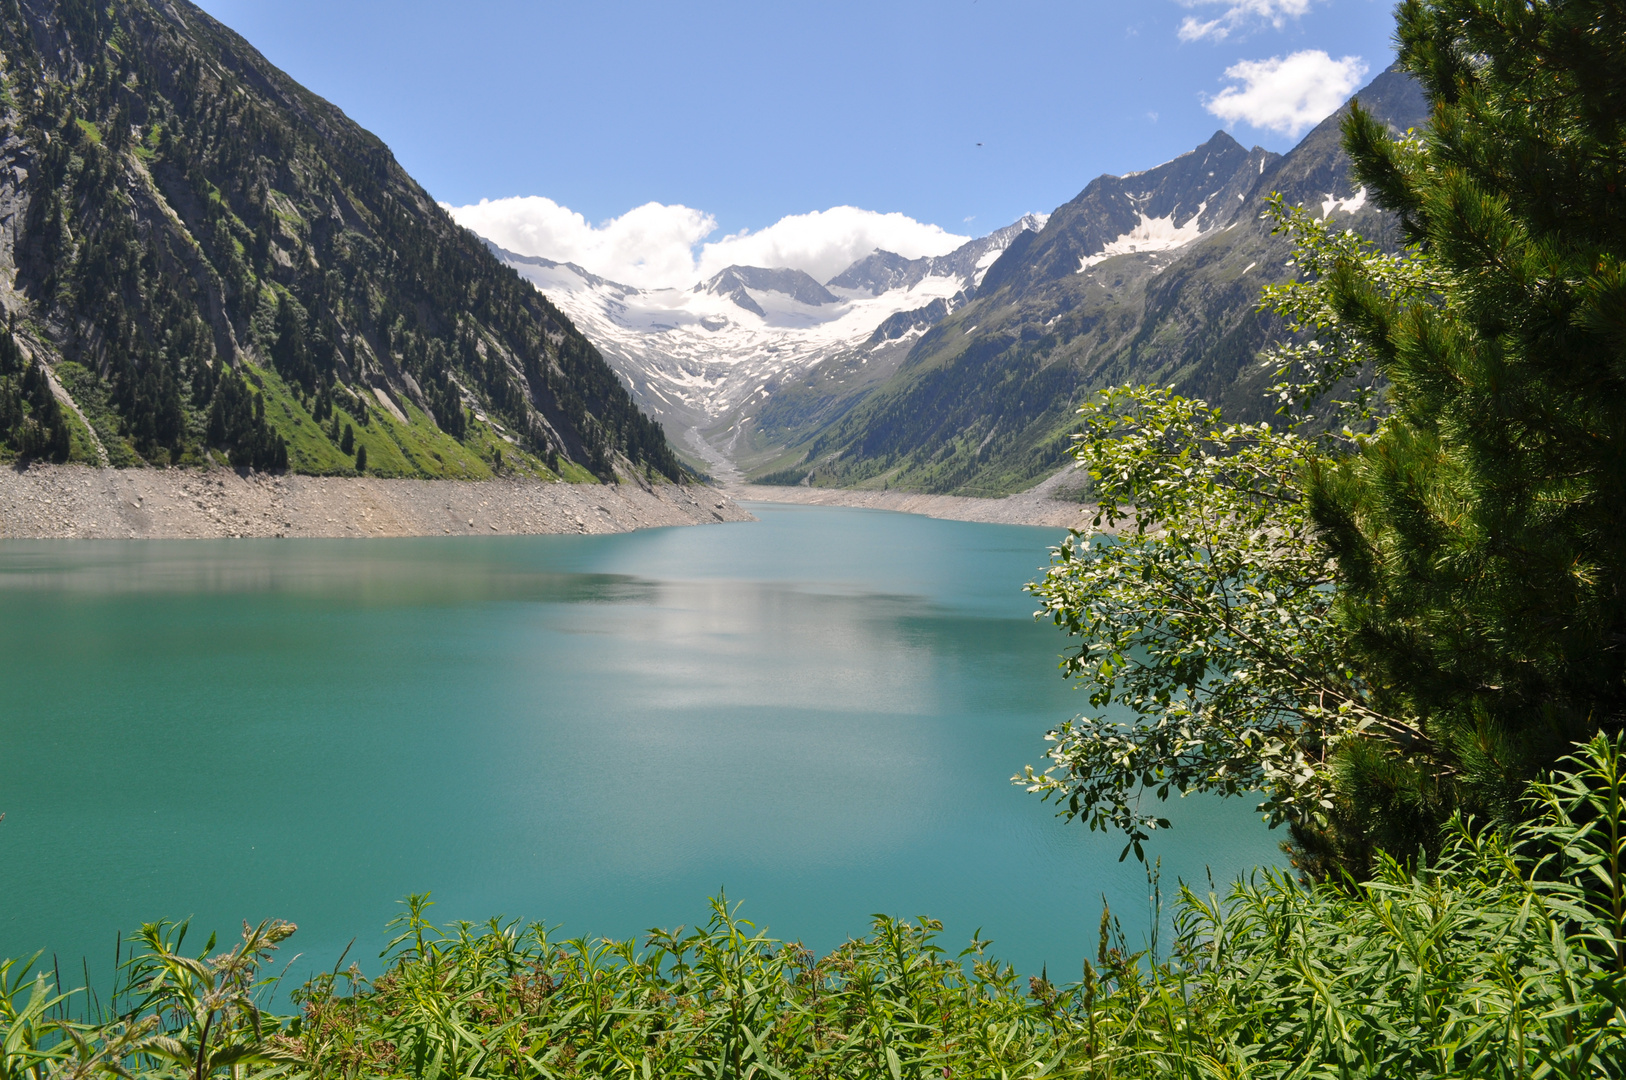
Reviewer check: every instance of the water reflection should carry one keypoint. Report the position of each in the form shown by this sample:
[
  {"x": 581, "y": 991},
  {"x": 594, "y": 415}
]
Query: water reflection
[
  {"x": 819, "y": 711},
  {"x": 407, "y": 573}
]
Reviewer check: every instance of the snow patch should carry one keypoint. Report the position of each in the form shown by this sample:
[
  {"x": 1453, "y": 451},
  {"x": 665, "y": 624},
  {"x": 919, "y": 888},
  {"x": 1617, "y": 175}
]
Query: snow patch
[
  {"x": 1348, "y": 206},
  {"x": 984, "y": 264},
  {"x": 1152, "y": 234}
]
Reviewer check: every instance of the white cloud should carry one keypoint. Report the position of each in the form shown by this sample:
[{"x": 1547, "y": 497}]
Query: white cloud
[
  {"x": 650, "y": 245},
  {"x": 826, "y": 242},
  {"x": 659, "y": 246},
  {"x": 1287, "y": 94},
  {"x": 1238, "y": 14}
]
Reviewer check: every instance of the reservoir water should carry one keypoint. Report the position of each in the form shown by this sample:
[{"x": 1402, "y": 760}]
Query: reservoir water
[{"x": 818, "y": 712}]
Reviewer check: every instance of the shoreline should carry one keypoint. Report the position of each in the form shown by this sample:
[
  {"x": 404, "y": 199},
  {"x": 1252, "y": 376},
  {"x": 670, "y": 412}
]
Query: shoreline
[
  {"x": 62, "y": 502},
  {"x": 1032, "y": 507}
]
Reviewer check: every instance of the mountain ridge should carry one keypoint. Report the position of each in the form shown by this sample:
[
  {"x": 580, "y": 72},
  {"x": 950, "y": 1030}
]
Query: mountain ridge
[
  {"x": 1106, "y": 218},
  {"x": 211, "y": 262},
  {"x": 984, "y": 400},
  {"x": 737, "y": 283},
  {"x": 881, "y": 270}
]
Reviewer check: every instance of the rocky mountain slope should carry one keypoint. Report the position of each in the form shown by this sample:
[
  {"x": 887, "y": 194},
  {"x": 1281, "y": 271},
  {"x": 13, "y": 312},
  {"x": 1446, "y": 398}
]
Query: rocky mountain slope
[
  {"x": 704, "y": 359},
  {"x": 201, "y": 260},
  {"x": 1152, "y": 277}
]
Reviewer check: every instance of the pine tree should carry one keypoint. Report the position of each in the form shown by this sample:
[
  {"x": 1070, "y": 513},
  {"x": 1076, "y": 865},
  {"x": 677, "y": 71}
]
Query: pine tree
[
  {"x": 1479, "y": 538},
  {"x": 237, "y": 425},
  {"x": 347, "y": 442},
  {"x": 289, "y": 351},
  {"x": 361, "y": 459}
]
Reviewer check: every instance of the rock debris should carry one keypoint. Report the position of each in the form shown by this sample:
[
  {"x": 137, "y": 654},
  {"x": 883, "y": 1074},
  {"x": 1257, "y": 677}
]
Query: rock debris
[{"x": 76, "y": 501}]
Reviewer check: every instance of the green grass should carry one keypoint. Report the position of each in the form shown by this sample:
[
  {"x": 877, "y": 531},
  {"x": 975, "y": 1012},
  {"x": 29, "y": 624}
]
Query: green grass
[
  {"x": 417, "y": 448},
  {"x": 309, "y": 449},
  {"x": 424, "y": 449},
  {"x": 80, "y": 440},
  {"x": 572, "y": 473},
  {"x": 90, "y": 394},
  {"x": 92, "y": 132}
]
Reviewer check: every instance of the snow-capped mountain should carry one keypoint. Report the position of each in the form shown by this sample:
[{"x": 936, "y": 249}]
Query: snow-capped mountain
[
  {"x": 694, "y": 356},
  {"x": 883, "y": 271},
  {"x": 1151, "y": 278},
  {"x": 1154, "y": 212},
  {"x": 736, "y": 283}
]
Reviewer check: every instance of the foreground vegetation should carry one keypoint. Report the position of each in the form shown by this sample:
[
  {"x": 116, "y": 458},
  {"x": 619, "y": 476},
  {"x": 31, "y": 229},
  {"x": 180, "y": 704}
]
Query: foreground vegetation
[{"x": 1505, "y": 957}]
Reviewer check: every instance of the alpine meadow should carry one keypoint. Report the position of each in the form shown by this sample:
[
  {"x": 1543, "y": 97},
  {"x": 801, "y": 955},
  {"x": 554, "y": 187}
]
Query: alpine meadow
[{"x": 1341, "y": 432}]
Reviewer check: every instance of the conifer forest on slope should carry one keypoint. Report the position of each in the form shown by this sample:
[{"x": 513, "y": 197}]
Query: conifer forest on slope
[{"x": 215, "y": 264}]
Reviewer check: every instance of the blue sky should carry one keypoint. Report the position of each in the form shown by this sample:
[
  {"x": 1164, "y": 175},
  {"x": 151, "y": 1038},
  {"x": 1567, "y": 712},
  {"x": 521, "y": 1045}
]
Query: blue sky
[{"x": 747, "y": 112}]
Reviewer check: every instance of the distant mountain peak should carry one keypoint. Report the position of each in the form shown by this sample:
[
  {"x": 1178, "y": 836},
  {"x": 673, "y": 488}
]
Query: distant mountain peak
[
  {"x": 878, "y": 272},
  {"x": 1160, "y": 209},
  {"x": 882, "y": 271},
  {"x": 1220, "y": 142},
  {"x": 737, "y": 283}
]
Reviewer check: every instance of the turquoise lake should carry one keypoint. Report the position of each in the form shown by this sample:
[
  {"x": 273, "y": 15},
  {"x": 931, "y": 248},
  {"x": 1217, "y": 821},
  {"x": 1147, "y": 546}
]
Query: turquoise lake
[{"x": 819, "y": 712}]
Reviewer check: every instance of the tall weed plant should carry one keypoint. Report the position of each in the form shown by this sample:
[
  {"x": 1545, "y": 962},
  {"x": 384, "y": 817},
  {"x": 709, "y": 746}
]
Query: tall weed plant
[{"x": 1504, "y": 957}]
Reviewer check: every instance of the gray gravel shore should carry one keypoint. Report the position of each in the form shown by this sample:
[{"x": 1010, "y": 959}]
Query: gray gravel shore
[
  {"x": 1032, "y": 507},
  {"x": 74, "y": 501}
]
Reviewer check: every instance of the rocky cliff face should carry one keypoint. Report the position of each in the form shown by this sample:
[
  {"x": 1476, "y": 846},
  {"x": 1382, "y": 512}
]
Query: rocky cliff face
[
  {"x": 1149, "y": 213},
  {"x": 210, "y": 262}
]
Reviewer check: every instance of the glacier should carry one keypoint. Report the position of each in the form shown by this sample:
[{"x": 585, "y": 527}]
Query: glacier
[{"x": 698, "y": 356}]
